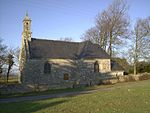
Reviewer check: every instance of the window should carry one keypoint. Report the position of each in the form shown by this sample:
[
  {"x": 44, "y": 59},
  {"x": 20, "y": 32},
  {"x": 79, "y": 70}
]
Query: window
[
  {"x": 27, "y": 26},
  {"x": 105, "y": 65},
  {"x": 47, "y": 68},
  {"x": 66, "y": 76},
  {"x": 96, "y": 67}
]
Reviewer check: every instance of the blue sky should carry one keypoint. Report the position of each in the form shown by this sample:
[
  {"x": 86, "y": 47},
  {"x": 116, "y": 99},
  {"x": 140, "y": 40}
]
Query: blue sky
[{"x": 52, "y": 19}]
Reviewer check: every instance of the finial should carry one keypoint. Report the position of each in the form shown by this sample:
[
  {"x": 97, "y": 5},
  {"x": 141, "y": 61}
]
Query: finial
[
  {"x": 26, "y": 12},
  {"x": 26, "y": 16}
]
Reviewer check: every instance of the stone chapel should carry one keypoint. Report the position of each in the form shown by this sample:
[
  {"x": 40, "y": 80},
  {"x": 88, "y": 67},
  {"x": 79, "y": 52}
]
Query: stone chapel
[{"x": 61, "y": 64}]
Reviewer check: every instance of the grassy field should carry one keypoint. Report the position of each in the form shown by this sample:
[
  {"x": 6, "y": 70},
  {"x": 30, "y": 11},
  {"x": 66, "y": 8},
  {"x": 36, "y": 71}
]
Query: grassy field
[{"x": 131, "y": 97}]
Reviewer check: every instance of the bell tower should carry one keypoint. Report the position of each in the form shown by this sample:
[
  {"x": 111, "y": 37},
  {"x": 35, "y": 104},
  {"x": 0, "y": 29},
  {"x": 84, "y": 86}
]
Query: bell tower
[
  {"x": 26, "y": 39},
  {"x": 25, "y": 46},
  {"x": 26, "y": 34}
]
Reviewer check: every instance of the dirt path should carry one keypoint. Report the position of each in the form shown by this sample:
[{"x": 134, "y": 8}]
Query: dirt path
[{"x": 48, "y": 96}]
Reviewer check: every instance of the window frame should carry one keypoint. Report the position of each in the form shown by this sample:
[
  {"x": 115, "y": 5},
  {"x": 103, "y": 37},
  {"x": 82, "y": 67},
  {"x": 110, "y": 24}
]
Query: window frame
[
  {"x": 47, "y": 68},
  {"x": 96, "y": 66}
]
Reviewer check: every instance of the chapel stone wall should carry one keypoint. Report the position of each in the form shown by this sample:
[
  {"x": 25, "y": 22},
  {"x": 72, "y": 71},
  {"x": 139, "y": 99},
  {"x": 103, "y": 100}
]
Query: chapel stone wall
[{"x": 80, "y": 72}]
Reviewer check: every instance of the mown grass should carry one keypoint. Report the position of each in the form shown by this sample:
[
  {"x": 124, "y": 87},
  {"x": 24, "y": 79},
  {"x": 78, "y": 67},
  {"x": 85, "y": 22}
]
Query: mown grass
[{"x": 133, "y": 97}]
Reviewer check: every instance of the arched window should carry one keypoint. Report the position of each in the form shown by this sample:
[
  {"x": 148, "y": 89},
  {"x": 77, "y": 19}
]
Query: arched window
[
  {"x": 27, "y": 26},
  {"x": 96, "y": 67},
  {"x": 47, "y": 68}
]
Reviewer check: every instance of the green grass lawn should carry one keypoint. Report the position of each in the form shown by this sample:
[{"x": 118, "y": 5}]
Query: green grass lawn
[{"x": 131, "y": 97}]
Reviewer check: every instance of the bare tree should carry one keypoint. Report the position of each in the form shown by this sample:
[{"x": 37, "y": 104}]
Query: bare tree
[
  {"x": 67, "y": 39},
  {"x": 2, "y": 55},
  {"x": 113, "y": 24},
  {"x": 111, "y": 27},
  {"x": 10, "y": 64},
  {"x": 141, "y": 41},
  {"x": 102, "y": 25},
  {"x": 15, "y": 53},
  {"x": 92, "y": 35}
]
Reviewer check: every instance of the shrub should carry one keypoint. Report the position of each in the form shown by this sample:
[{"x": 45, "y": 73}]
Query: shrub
[
  {"x": 106, "y": 82},
  {"x": 144, "y": 76},
  {"x": 129, "y": 79}
]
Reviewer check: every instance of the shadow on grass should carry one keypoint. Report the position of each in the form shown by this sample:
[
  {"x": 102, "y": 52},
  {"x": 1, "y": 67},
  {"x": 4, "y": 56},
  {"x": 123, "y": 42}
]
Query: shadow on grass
[
  {"x": 48, "y": 92},
  {"x": 29, "y": 107}
]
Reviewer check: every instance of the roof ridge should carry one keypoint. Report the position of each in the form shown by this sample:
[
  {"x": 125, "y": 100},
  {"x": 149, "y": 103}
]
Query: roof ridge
[{"x": 54, "y": 40}]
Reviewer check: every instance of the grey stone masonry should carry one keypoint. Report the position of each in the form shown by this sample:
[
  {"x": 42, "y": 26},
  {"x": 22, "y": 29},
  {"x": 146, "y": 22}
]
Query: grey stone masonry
[{"x": 80, "y": 72}]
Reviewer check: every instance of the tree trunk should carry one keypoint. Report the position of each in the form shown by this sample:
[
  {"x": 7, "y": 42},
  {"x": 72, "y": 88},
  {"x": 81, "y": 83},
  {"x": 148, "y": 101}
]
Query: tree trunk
[
  {"x": 8, "y": 73},
  {"x": 101, "y": 41},
  {"x": 135, "y": 60},
  {"x": 110, "y": 44},
  {"x": 135, "y": 68},
  {"x": 136, "y": 54}
]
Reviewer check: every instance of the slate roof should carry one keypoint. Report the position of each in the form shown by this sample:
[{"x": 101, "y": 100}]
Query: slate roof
[
  {"x": 41, "y": 48},
  {"x": 115, "y": 66}
]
